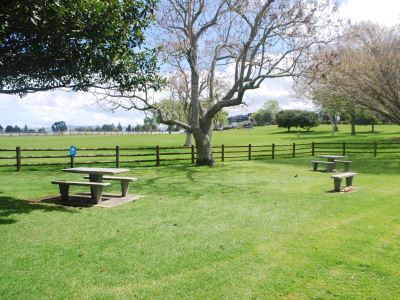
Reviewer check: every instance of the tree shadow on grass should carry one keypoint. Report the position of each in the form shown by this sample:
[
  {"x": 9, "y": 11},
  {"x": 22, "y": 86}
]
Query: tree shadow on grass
[
  {"x": 10, "y": 206},
  {"x": 184, "y": 180}
]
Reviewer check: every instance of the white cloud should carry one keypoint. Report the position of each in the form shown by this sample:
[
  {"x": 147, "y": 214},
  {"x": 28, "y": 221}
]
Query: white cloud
[
  {"x": 386, "y": 12},
  {"x": 44, "y": 108}
]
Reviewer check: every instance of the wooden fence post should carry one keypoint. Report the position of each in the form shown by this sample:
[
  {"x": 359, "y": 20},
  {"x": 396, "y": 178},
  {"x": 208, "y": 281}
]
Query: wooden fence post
[
  {"x": 117, "y": 164},
  {"x": 223, "y": 153},
  {"x": 344, "y": 149},
  {"x": 312, "y": 149},
  {"x": 157, "y": 156},
  {"x": 192, "y": 154},
  {"x": 249, "y": 151},
  {"x": 273, "y": 151},
  {"x": 375, "y": 149},
  {"x": 294, "y": 150},
  {"x": 18, "y": 156},
  {"x": 72, "y": 163}
]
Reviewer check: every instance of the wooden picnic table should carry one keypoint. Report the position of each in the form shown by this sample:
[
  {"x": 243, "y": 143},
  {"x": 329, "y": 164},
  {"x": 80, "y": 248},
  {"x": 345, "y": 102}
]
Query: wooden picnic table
[{"x": 332, "y": 158}]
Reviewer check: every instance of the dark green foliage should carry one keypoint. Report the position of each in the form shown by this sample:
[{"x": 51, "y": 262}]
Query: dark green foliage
[
  {"x": 307, "y": 120},
  {"x": 11, "y": 129},
  {"x": 59, "y": 126},
  {"x": 297, "y": 118},
  {"x": 262, "y": 117},
  {"x": 108, "y": 127},
  {"x": 287, "y": 119},
  {"x": 47, "y": 44},
  {"x": 1, "y": 128},
  {"x": 366, "y": 118},
  {"x": 119, "y": 127},
  {"x": 129, "y": 128}
]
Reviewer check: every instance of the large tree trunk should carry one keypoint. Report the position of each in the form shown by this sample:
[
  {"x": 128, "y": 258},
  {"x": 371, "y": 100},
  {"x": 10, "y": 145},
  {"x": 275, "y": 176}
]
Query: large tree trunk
[
  {"x": 203, "y": 146},
  {"x": 188, "y": 141},
  {"x": 353, "y": 124}
]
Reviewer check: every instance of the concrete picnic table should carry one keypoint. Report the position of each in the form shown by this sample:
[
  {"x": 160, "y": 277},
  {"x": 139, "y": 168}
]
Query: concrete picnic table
[
  {"x": 96, "y": 174},
  {"x": 332, "y": 158}
]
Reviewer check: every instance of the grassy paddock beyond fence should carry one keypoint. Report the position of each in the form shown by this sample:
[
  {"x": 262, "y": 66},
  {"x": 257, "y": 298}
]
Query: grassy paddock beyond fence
[{"x": 157, "y": 155}]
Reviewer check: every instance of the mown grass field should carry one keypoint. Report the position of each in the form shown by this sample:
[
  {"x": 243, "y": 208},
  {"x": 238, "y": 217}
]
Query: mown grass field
[
  {"x": 132, "y": 157},
  {"x": 265, "y": 229},
  {"x": 257, "y": 136}
]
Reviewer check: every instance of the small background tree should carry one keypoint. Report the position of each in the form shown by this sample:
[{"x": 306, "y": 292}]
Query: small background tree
[
  {"x": 287, "y": 118},
  {"x": 59, "y": 126},
  {"x": 297, "y": 118}
]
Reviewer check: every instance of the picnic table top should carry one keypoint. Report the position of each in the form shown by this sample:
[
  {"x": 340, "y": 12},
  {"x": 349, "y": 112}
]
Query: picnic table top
[
  {"x": 103, "y": 171},
  {"x": 332, "y": 156}
]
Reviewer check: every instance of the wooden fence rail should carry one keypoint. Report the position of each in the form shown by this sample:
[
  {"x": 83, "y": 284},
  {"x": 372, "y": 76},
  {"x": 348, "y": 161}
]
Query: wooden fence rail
[{"x": 117, "y": 156}]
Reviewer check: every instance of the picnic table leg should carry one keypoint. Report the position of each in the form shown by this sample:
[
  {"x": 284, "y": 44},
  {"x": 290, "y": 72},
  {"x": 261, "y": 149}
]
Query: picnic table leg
[
  {"x": 315, "y": 166},
  {"x": 95, "y": 177},
  {"x": 338, "y": 183},
  {"x": 124, "y": 187},
  {"x": 64, "y": 191},
  {"x": 331, "y": 168},
  {"x": 97, "y": 191},
  {"x": 94, "y": 191},
  {"x": 349, "y": 181},
  {"x": 346, "y": 167}
]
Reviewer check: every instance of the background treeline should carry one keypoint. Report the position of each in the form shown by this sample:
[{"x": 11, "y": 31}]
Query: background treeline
[
  {"x": 17, "y": 129},
  {"x": 149, "y": 124}
]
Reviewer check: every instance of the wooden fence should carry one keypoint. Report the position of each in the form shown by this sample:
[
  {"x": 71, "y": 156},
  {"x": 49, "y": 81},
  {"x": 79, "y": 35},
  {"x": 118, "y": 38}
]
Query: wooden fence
[{"x": 129, "y": 156}]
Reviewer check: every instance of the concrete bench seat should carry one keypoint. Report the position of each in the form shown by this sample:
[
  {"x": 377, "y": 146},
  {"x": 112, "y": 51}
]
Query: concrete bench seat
[
  {"x": 339, "y": 177},
  {"x": 346, "y": 164},
  {"x": 96, "y": 188},
  {"x": 329, "y": 165},
  {"x": 124, "y": 182}
]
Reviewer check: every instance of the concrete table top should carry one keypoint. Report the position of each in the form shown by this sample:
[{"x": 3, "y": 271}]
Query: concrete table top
[
  {"x": 99, "y": 171},
  {"x": 331, "y": 158}
]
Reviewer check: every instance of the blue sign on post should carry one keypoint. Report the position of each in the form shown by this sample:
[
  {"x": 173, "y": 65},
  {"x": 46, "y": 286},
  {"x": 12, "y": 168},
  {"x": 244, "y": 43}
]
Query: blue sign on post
[{"x": 72, "y": 151}]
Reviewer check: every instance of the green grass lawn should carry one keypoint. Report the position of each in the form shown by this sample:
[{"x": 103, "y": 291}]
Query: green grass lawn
[{"x": 263, "y": 229}]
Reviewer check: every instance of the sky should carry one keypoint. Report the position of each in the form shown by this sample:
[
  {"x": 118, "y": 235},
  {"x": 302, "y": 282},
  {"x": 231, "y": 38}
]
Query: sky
[{"x": 42, "y": 109}]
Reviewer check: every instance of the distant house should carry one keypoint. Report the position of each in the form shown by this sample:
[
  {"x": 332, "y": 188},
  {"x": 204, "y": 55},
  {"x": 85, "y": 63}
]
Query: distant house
[{"x": 239, "y": 119}]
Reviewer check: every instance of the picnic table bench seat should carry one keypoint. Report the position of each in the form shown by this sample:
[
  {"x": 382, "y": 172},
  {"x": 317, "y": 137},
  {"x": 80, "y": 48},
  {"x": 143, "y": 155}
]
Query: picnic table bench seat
[
  {"x": 124, "y": 182},
  {"x": 329, "y": 165},
  {"x": 96, "y": 188},
  {"x": 339, "y": 177},
  {"x": 346, "y": 164}
]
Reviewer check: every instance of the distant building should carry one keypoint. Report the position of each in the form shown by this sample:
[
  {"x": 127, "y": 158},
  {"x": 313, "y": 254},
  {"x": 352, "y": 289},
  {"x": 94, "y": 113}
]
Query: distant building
[{"x": 239, "y": 118}]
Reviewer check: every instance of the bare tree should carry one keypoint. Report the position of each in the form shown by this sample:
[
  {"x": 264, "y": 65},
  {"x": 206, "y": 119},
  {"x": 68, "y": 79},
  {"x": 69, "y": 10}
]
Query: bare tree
[
  {"x": 363, "y": 68},
  {"x": 247, "y": 40}
]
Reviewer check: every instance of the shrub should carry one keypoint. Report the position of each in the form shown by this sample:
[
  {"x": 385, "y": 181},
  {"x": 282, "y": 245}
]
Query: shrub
[{"x": 297, "y": 118}]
